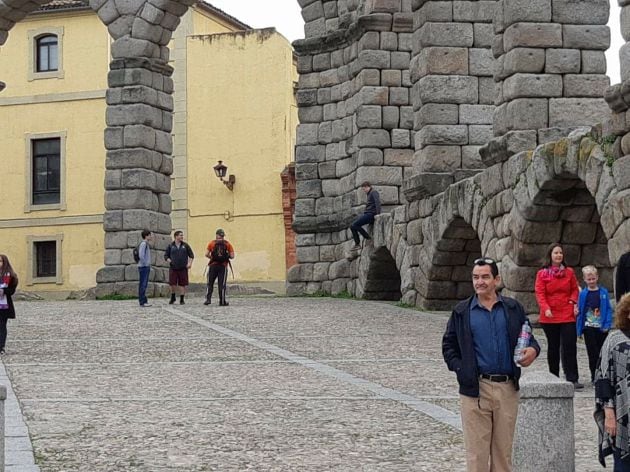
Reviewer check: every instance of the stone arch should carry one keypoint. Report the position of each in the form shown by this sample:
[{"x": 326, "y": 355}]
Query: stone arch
[
  {"x": 381, "y": 279},
  {"x": 138, "y": 133},
  {"x": 446, "y": 263},
  {"x": 566, "y": 194}
]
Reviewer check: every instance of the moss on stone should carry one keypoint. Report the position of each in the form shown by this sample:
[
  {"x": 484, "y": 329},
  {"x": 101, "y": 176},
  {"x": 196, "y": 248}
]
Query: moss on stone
[{"x": 561, "y": 148}]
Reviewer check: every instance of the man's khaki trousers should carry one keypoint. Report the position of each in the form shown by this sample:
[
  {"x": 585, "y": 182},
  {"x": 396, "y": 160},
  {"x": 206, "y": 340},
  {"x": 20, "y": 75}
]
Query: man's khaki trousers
[{"x": 488, "y": 423}]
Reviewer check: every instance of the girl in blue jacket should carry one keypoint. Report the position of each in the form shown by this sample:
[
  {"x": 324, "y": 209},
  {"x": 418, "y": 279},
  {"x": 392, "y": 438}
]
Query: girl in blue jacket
[{"x": 594, "y": 317}]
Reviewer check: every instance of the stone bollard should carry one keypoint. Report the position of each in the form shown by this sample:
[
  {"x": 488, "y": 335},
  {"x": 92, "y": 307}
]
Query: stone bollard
[
  {"x": 3, "y": 397},
  {"x": 544, "y": 440}
]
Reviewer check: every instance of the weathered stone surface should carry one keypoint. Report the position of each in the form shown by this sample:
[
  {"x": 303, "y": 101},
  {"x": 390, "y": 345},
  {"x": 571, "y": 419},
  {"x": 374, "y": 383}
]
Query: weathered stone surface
[
  {"x": 577, "y": 111},
  {"x": 538, "y": 35},
  {"x": 586, "y": 37},
  {"x": 524, "y": 60},
  {"x": 562, "y": 61}
]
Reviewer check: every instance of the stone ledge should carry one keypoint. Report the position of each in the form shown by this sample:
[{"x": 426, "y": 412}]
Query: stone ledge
[
  {"x": 545, "y": 385},
  {"x": 424, "y": 185}
]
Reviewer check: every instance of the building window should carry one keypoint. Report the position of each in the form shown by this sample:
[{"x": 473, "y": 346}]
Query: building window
[
  {"x": 45, "y": 259},
  {"x": 47, "y": 53},
  {"x": 46, "y": 171},
  {"x": 44, "y": 256}
]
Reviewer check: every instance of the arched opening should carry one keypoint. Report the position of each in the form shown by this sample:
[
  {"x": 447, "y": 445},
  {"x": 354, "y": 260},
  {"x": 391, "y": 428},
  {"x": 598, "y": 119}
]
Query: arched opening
[
  {"x": 447, "y": 278},
  {"x": 562, "y": 211},
  {"x": 383, "y": 278}
]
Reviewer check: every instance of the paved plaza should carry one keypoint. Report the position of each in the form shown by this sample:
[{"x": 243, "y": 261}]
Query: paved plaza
[{"x": 266, "y": 384}]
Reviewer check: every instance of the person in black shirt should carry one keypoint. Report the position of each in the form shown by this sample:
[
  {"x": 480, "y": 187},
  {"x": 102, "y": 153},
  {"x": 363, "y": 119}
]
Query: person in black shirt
[
  {"x": 372, "y": 208},
  {"x": 180, "y": 257}
]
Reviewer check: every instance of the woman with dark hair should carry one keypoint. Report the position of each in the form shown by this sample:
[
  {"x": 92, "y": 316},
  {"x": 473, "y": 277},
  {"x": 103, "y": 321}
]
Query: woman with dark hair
[
  {"x": 8, "y": 284},
  {"x": 557, "y": 297},
  {"x": 612, "y": 410}
]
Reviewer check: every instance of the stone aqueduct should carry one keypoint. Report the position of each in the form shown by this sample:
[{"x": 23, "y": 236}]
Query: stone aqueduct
[{"x": 487, "y": 126}]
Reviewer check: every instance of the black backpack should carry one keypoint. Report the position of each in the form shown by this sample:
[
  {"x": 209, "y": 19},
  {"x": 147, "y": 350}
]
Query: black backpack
[
  {"x": 220, "y": 252},
  {"x": 136, "y": 253}
]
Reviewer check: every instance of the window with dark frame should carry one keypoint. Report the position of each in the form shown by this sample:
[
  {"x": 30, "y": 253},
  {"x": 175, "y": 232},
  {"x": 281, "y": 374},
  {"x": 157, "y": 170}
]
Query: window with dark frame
[
  {"x": 46, "y": 187},
  {"x": 47, "y": 53},
  {"x": 46, "y": 259}
]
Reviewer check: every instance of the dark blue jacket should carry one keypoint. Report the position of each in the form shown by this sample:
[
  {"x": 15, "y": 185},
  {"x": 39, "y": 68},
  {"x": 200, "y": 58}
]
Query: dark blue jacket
[
  {"x": 459, "y": 351},
  {"x": 373, "y": 205},
  {"x": 605, "y": 310}
]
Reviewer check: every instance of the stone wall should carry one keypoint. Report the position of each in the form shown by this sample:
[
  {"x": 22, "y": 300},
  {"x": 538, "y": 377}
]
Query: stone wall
[
  {"x": 514, "y": 147},
  {"x": 138, "y": 134}
]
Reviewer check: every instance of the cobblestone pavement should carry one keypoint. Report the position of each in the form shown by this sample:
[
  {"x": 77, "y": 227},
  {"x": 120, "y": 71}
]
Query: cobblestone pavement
[{"x": 266, "y": 384}]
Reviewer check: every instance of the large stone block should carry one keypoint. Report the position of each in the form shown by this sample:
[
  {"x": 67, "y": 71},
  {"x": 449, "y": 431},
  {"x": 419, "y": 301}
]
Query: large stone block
[
  {"x": 565, "y": 112},
  {"x": 476, "y": 114},
  {"x": 309, "y": 188},
  {"x": 440, "y": 61},
  {"x": 479, "y": 134},
  {"x": 379, "y": 175},
  {"x": 310, "y": 153},
  {"x": 593, "y": 62},
  {"x": 532, "y": 86},
  {"x": 446, "y": 34},
  {"x": 536, "y": 35},
  {"x": 534, "y": 11},
  {"x": 127, "y": 199},
  {"x": 562, "y": 61},
  {"x": 585, "y": 85},
  {"x": 447, "y": 89},
  {"x": 586, "y": 37},
  {"x": 474, "y": 11},
  {"x": 374, "y": 59},
  {"x": 398, "y": 157},
  {"x": 581, "y": 12},
  {"x": 439, "y": 159},
  {"x": 374, "y": 138},
  {"x": 526, "y": 114},
  {"x": 481, "y": 62},
  {"x": 442, "y": 134},
  {"x": 437, "y": 114}
]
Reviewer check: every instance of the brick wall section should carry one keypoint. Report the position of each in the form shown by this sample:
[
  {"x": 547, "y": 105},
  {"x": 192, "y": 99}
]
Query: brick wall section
[{"x": 288, "y": 204}]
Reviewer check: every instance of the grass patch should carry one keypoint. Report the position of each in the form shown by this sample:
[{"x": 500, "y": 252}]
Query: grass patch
[
  {"x": 321, "y": 294},
  {"x": 117, "y": 296}
]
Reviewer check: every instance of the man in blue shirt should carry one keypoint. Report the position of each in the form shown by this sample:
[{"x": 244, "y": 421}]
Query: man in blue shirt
[{"x": 478, "y": 346}]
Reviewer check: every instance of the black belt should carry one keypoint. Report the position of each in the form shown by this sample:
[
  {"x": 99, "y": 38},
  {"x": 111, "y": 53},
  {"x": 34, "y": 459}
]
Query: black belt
[{"x": 497, "y": 378}]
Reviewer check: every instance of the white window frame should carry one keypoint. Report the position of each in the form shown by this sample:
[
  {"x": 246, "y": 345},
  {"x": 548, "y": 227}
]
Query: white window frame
[
  {"x": 33, "y": 36},
  {"x": 28, "y": 201},
  {"x": 31, "y": 276}
]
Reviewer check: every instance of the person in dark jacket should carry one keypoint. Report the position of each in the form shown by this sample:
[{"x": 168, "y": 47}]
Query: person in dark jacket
[
  {"x": 372, "y": 208},
  {"x": 622, "y": 276},
  {"x": 478, "y": 346},
  {"x": 8, "y": 284},
  {"x": 180, "y": 257}
]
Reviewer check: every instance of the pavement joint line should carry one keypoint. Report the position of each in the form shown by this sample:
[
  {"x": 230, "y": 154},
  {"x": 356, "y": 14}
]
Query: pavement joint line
[
  {"x": 180, "y": 399},
  {"x": 15, "y": 447},
  {"x": 230, "y": 362},
  {"x": 434, "y": 411}
]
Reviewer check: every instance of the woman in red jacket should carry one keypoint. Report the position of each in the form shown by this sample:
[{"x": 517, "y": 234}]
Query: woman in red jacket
[{"x": 557, "y": 295}]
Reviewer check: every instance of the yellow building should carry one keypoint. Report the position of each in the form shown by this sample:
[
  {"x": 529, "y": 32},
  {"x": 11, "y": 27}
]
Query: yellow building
[{"x": 234, "y": 102}]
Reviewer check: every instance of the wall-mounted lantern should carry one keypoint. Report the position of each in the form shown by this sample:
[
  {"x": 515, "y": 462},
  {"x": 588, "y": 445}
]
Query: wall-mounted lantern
[{"x": 220, "y": 171}]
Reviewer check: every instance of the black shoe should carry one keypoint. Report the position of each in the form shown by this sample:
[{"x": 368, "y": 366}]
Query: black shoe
[
  {"x": 207, "y": 302},
  {"x": 224, "y": 304},
  {"x": 2, "y": 352},
  {"x": 578, "y": 386},
  {"x": 172, "y": 300},
  {"x": 181, "y": 302}
]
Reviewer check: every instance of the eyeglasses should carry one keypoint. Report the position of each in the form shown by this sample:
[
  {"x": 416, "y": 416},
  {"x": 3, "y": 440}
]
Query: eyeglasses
[{"x": 484, "y": 261}]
